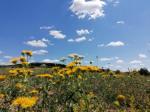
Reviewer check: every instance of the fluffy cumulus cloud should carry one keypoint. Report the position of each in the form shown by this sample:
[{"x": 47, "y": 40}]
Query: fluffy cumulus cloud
[
  {"x": 38, "y": 43},
  {"x": 115, "y": 44},
  {"x": 88, "y": 8},
  {"x": 112, "y": 44},
  {"x": 83, "y": 32},
  {"x": 82, "y": 35},
  {"x": 57, "y": 34},
  {"x": 78, "y": 39},
  {"x": 40, "y": 52},
  {"x": 50, "y": 61},
  {"x": 142, "y": 56}
]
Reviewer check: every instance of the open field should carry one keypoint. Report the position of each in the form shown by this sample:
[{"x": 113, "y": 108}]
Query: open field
[{"x": 73, "y": 88}]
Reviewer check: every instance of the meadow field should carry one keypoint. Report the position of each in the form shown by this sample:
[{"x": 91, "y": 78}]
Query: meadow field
[{"x": 74, "y": 88}]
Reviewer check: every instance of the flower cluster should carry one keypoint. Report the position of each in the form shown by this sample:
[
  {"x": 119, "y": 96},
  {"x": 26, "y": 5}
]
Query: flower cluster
[{"x": 25, "y": 102}]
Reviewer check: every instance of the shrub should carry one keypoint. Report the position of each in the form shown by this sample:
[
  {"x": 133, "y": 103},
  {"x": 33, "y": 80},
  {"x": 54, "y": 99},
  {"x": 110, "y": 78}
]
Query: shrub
[
  {"x": 144, "y": 71},
  {"x": 117, "y": 71}
]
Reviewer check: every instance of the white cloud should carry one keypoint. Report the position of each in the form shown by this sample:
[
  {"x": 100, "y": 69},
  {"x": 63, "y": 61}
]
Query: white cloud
[
  {"x": 45, "y": 40},
  {"x": 50, "y": 61},
  {"x": 36, "y": 43},
  {"x": 120, "y": 22},
  {"x": 40, "y": 52},
  {"x": 112, "y": 44},
  {"x": 88, "y": 8},
  {"x": 78, "y": 39},
  {"x": 70, "y": 40},
  {"x": 46, "y": 27},
  {"x": 115, "y": 44},
  {"x": 83, "y": 32},
  {"x": 136, "y": 62},
  {"x": 120, "y": 61},
  {"x": 57, "y": 34},
  {"x": 142, "y": 56}
]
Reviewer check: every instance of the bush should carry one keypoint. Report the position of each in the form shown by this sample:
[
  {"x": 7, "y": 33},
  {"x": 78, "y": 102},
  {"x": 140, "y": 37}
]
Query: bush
[
  {"x": 144, "y": 71},
  {"x": 117, "y": 71}
]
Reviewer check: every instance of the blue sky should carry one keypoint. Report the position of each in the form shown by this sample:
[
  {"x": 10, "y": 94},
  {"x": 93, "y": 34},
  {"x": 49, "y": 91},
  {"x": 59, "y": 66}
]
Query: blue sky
[{"x": 115, "y": 30}]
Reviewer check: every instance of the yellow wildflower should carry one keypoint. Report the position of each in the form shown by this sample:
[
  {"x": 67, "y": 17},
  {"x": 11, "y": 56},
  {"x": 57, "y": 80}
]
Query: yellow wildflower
[
  {"x": 72, "y": 64},
  {"x": 62, "y": 75},
  {"x": 69, "y": 72},
  {"x": 34, "y": 91},
  {"x": 29, "y": 53},
  {"x": 121, "y": 98},
  {"x": 45, "y": 76},
  {"x": 79, "y": 77},
  {"x": 2, "y": 77},
  {"x": 13, "y": 72},
  {"x": 25, "y": 102},
  {"x": 2, "y": 96},
  {"x": 22, "y": 59},
  {"x": 14, "y": 60}
]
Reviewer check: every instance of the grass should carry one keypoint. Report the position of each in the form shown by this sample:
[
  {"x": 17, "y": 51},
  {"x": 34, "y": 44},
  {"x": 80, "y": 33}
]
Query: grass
[
  {"x": 92, "y": 91},
  {"x": 74, "y": 88}
]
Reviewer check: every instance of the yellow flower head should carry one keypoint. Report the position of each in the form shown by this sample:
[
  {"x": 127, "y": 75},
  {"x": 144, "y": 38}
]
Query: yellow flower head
[
  {"x": 13, "y": 72},
  {"x": 2, "y": 96},
  {"x": 34, "y": 91},
  {"x": 121, "y": 98},
  {"x": 72, "y": 64},
  {"x": 14, "y": 60},
  {"x": 62, "y": 75},
  {"x": 45, "y": 76},
  {"x": 69, "y": 72},
  {"x": 22, "y": 59},
  {"x": 2, "y": 77},
  {"x": 25, "y": 102},
  {"x": 29, "y": 53},
  {"x": 29, "y": 72},
  {"x": 79, "y": 77}
]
